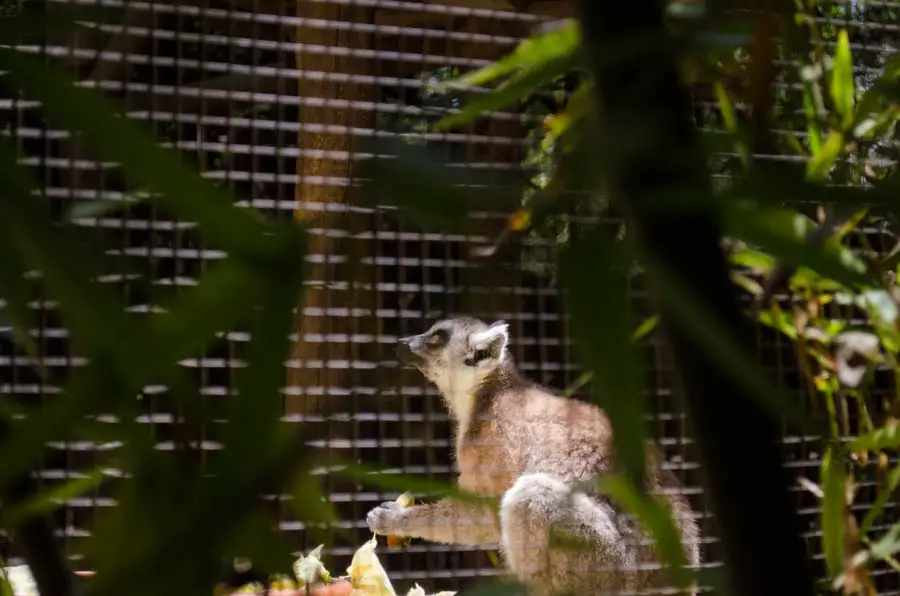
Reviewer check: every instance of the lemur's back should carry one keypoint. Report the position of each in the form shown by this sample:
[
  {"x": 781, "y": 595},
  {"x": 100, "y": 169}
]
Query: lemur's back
[{"x": 526, "y": 430}]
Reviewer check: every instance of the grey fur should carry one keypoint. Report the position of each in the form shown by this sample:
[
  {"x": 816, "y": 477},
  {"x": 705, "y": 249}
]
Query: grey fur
[{"x": 519, "y": 443}]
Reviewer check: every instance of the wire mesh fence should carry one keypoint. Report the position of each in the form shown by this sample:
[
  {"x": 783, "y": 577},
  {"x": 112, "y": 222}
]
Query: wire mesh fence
[{"x": 276, "y": 101}]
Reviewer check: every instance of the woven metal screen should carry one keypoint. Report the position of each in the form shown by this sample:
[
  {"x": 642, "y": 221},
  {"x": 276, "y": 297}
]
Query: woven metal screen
[{"x": 277, "y": 100}]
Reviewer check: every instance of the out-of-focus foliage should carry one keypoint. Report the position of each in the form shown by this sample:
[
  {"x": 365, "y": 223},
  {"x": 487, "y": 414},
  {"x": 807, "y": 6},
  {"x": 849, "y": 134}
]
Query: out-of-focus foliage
[
  {"x": 841, "y": 309},
  {"x": 174, "y": 515}
]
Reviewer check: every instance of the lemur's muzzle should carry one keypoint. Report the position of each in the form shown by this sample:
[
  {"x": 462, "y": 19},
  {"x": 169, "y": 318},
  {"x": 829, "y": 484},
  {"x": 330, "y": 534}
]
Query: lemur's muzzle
[{"x": 407, "y": 351}]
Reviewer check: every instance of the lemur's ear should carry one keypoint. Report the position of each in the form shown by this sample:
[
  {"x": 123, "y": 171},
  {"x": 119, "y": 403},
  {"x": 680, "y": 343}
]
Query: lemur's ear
[{"x": 490, "y": 343}]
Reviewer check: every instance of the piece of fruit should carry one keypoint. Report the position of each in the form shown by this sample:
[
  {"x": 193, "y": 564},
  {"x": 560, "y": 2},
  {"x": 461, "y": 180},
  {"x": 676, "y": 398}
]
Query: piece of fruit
[{"x": 404, "y": 500}]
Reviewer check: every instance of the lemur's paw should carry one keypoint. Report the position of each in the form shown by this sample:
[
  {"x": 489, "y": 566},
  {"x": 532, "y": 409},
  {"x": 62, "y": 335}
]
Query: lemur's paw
[{"x": 385, "y": 519}]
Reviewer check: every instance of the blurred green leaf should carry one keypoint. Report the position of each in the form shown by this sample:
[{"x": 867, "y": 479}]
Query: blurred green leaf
[
  {"x": 544, "y": 70},
  {"x": 811, "y": 112},
  {"x": 821, "y": 162},
  {"x": 784, "y": 234},
  {"x": 885, "y": 437},
  {"x": 887, "y": 545},
  {"x": 531, "y": 52},
  {"x": 41, "y": 17},
  {"x": 726, "y": 106},
  {"x": 185, "y": 193},
  {"x": 731, "y": 355},
  {"x": 653, "y": 513},
  {"x": 51, "y": 499},
  {"x": 91, "y": 209},
  {"x": 842, "y": 86},
  {"x": 254, "y": 432},
  {"x": 584, "y": 378},
  {"x": 596, "y": 295},
  {"x": 834, "y": 487},
  {"x": 884, "y": 495},
  {"x": 419, "y": 181}
]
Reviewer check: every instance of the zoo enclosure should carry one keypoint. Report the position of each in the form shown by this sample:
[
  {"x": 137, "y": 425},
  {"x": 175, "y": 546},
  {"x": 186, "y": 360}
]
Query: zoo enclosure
[{"x": 276, "y": 101}]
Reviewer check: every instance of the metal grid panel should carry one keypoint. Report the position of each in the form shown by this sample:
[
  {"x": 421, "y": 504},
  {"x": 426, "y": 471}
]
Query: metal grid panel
[{"x": 274, "y": 99}]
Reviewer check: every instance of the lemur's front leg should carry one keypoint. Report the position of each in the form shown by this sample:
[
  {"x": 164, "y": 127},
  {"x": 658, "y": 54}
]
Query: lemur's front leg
[{"x": 447, "y": 521}]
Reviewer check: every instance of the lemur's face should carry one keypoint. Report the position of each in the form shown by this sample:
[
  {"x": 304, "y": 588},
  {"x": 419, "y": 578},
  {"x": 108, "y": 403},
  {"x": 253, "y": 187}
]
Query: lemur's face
[{"x": 456, "y": 353}]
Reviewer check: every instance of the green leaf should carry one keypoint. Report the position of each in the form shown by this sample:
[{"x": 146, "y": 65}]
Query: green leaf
[
  {"x": 809, "y": 109},
  {"x": 34, "y": 18},
  {"x": 646, "y": 327},
  {"x": 820, "y": 164},
  {"x": 731, "y": 122},
  {"x": 530, "y": 52},
  {"x": 887, "y": 545},
  {"x": 783, "y": 233},
  {"x": 884, "y": 495},
  {"x": 254, "y": 432},
  {"x": 186, "y": 194},
  {"x": 886, "y": 437},
  {"x": 516, "y": 88},
  {"x": 842, "y": 80},
  {"x": 596, "y": 295},
  {"x": 49, "y": 500},
  {"x": 649, "y": 324},
  {"x": 653, "y": 513},
  {"x": 729, "y": 354},
  {"x": 422, "y": 183},
  {"x": 834, "y": 501},
  {"x": 92, "y": 209}
]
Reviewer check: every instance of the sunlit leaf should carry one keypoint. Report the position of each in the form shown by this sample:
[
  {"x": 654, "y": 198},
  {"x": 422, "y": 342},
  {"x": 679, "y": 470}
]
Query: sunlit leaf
[
  {"x": 726, "y": 106},
  {"x": 783, "y": 233},
  {"x": 842, "y": 79},
  {"x": 516, "y": 88},
  {"x": 887, "y": 545},
  {"x": 821, "y": 162},
  {"x": 886, "y": 437},
  {"x": 597, "y": 297},
  {"x": 809, "y": 108},
  {"x": 557, "y": 42}
]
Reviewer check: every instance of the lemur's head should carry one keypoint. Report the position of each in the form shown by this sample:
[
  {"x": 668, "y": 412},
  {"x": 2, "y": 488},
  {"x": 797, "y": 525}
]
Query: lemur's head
[{"x": 456, "y": 354}]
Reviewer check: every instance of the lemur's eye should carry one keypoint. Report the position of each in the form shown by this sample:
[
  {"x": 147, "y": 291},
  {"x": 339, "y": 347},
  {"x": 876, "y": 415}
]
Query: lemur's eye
[{"x": 438, "y": 338}]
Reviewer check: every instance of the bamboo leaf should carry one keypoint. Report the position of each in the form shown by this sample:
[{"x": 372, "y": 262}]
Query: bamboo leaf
[
  {"x": 656, "y": 517},
  {"x": 818, "y": 167},
  {"x": 49, "y": 500},
  {"x": 783, "y": 233},
  {"x": 886, "y": 437},
  {"x": 842, "y": 80},
  {"x": 884, "y": 495},
  {"x": 834, "y": 484},
  {"x": 532, "y": 51},
  {"x": 597, "y": 297},
  {"x": 186, "y": 194},
  {"x": 729, "y": 115},
  {"x": 584, "y": 378},
  {"x": 519, "y": 86}
]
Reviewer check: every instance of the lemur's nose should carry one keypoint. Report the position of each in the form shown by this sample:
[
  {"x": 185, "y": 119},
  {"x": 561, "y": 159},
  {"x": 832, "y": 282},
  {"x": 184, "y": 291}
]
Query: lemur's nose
[{"x": 404, "y": 350}]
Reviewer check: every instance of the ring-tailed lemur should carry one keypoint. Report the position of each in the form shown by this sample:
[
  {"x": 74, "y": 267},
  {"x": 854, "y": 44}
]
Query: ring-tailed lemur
[{"x": 517, "y": 441}]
